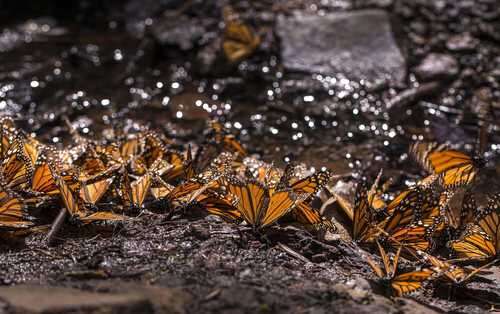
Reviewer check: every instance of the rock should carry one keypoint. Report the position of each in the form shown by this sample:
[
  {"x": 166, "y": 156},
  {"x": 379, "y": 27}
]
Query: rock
[
  {"x": 411, "y": 306},
  {"x": 437, "y": 66},
  {"x": 139, "y": 14},
  {"x": 182, "y": 31},
  {"x": 462, "y": 42},
  {"x": 162, "y": 299},
  {"x": 38, "y": 299},
  {"x": 358, "y": 44}
]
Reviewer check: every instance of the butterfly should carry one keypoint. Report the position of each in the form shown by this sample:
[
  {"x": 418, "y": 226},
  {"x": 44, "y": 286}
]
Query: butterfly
[
  {"x": 481, "y": 238},
  {"x": 310, "y": 217},
  {"x": 91, "y": 193},
  {"x": 259, "y": 206},
  {"x": 360, "y": 214},
  {"x": 240, "y": 41},
  {"x": 137, "y": 190},
  {"x": 73, "y": 206},
  {"x": 410, "y": 206},
  {"x": 12, "y": 214},
  {"x": 452, "y": 273},
  {"x": 400, "y": 284},
  {"x": 456, "y": 168},
  {"x": 226, "y": 140},
  {"x": 8, "y": 134},
  {"x": 306, "y": 188},
  {"x": 223, "y": 206},
  {"x": 459, "y": 217},
  {"x": 419, "y": 235},
  {"x": 42, "y": 181},
  {"x": 15, "y": 168},
  {"x": 132, "y": 146}
]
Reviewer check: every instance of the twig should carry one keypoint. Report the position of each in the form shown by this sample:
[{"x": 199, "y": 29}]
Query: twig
[
  {"x": 293, "y": 253},
  {"x": 56, "y": 225},
  {"x": 410, "y": 96}
]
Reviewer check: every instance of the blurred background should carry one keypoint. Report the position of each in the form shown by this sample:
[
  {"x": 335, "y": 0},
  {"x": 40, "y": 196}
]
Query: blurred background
[{"x": 346, "y": 84}]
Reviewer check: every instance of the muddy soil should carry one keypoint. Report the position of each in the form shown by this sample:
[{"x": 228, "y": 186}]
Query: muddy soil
[{"x": 160, "y": 63}]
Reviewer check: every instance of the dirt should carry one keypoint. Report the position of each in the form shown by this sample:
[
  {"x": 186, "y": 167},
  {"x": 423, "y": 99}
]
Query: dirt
[{"x": 101, "y": 64}]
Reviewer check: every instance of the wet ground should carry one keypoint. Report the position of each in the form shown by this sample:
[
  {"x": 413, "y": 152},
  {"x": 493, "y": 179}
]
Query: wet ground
[{"x": 435, "y": 76}]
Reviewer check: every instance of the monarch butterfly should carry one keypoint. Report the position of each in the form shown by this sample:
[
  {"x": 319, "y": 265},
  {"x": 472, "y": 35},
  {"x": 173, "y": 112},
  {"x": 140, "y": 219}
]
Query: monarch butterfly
[
  {"x": 410, "y": 206},
  {"x": 456, "y": 168},
  {"x": 188, "y": 190},
  {"x": 15, "y": 168},
  {"x": 139, "y": 190},
  {"x": 12, "y": 213},
  {"x": 481, "y": 239},
  {"x": 417, "y": 236},
  {"x": 225, "y": 139},
  {"x": 240, "y": 41},
  {"x": 92, "y": 192},
  {"x": 222, "y": 206},
  {"x": 310, "y": 217},
  {"x": 31, "y": 148},
  {"x": 131, "y": 147},
  {"x": 71, "y": 204},
  {"x": 160, "y": 189},
  {"x": 306, "y": 188},
  {"x": 359, "y": 213},
  {"x": 362, "y": 218},
  {"x": 309, "y": 185},
  {"x": 8, "y": 134},
  {"x": 453, "y": 273},
  {"x": 399, "y": 284},
  {"x": 180, "y": 166},
  {"x": 258, "y": 206},
  {"x": 42, "y": 181}
]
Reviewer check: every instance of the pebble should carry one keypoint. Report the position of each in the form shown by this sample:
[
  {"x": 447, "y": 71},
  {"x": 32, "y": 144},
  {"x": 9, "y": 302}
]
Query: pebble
[{"x": 437, "y": 66}]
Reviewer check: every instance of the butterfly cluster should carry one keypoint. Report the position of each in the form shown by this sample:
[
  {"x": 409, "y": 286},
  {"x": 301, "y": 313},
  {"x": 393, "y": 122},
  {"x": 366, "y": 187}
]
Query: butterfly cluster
[
  {"x": 420, "y": 221},
  {"x": 110, "y": 180},
  {"x": 94, "y": 181}
]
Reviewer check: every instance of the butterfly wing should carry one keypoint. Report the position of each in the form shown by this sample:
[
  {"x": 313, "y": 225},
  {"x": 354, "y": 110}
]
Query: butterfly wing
[
  {"x": 12, "y": 213},
  {"x": 251, "y": 196},
  {"x": 410, "y": 282},
  {"x": 221, "y": 206},
  {"x": 139, "y": 190},
  {"x": 280, "y": 203},
  {"x": 481, "y": 239},
  {"x": 91, "y": 193},
  {"x": 15, "y": 169},
  {"x": 307, "y": 216},
  {"x": 362, "y": 217},
  {"x": 312, "y": 184},
  {"x": 455, "y": 168},
  {"x": 69, "y": 200}
]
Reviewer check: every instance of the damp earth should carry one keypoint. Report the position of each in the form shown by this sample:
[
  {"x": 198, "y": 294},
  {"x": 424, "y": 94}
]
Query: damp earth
[{"x": 343, "y": 84}]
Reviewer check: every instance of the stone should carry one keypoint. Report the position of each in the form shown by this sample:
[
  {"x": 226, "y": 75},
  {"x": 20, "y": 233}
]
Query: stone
[
  {"x": 358, "y": 44},
  {"x": 183, "y": 32},
  {"x": 38, "y": 299},
  {"x": 437, "y": 66},
  {"x": 462, "y": 42},
  {"x": 410, "y": 306}
]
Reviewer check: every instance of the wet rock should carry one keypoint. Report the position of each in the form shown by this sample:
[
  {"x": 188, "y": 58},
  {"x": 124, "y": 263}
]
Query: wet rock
[
  {"x": 359, "y": 44},
  {"x": 181, "y": 31},
  {"x": 37, "y": 299},
  {"x": 437, "y": 66},
  {"x": 139, "y": 14},
  {"x": 462, "y": 42}
]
